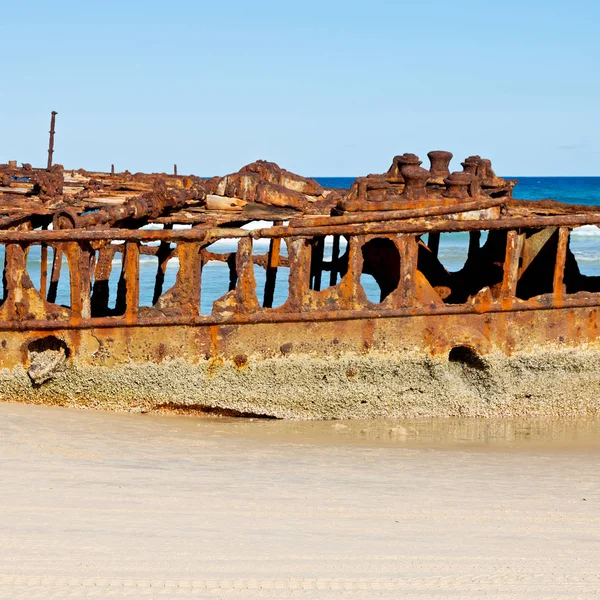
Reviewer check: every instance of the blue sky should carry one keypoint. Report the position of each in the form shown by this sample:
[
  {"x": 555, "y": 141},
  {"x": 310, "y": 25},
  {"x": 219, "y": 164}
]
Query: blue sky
[{"x": 320, "y": 87}]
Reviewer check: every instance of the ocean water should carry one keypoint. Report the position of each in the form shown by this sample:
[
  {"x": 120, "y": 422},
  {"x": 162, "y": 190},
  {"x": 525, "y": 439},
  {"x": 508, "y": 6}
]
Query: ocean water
[{"x": 585, "y": 244}]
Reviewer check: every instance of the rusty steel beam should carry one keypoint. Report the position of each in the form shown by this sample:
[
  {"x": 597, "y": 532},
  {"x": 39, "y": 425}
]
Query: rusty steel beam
[
  {"x": 425, "y": 226},
  {"x": 514, "y": 247},
  {"x": 397, "y": 215},
  {"x": 544, "y": 303},
  {"x": 216, "y": 233},
  {"x": 51, "y": 141},
  {"x": 271, "y": 268},
  {"x": 559, "y": 267}
]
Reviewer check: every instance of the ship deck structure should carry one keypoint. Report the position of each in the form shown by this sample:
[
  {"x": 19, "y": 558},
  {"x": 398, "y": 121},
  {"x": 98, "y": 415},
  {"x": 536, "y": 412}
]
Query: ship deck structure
[{"x": 515, "y": 331}]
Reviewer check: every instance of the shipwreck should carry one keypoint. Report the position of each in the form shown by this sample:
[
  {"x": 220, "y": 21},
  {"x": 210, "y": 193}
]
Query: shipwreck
[{"x": 515, "y": 331}]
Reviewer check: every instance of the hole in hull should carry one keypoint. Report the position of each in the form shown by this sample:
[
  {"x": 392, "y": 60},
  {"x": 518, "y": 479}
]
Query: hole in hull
[{"x": 466, "y": 356}]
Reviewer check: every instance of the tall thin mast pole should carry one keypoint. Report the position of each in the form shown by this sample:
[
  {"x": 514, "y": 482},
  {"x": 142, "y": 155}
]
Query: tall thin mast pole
[{"x": 51, "y": 144}]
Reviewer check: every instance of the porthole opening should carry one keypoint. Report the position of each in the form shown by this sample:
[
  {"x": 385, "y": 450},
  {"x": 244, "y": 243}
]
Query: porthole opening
[{"x": 466, "y": 356}]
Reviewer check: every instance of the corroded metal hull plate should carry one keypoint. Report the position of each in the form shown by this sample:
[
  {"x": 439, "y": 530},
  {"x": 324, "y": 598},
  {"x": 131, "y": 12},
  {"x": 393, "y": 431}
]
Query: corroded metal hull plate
[{"x": 392, "y": 367}]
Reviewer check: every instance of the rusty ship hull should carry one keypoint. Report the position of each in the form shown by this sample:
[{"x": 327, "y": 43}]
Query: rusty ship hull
[{"x": 514, "y": 332}]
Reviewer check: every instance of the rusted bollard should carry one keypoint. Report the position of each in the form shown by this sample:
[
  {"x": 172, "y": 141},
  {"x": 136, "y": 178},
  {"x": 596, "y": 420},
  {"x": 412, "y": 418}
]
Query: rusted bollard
[
  {"x": 440, "y": 162},
  {"x": 415, "y": 179},
  {"x": 457, "y": 185},
  {"x": 399, "y": 162}
]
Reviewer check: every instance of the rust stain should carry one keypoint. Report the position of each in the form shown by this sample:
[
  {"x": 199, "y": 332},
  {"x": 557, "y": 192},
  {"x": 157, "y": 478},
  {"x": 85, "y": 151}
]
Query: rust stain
[{"x": 214, "y": 336}]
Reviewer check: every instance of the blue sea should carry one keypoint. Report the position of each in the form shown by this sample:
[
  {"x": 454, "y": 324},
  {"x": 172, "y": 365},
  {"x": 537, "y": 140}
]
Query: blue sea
[{"x": 585, "y": 244}]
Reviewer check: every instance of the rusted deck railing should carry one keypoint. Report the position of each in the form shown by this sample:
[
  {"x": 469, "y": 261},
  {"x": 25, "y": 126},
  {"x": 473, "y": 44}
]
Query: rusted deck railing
[{"x": 410, "y": 292}]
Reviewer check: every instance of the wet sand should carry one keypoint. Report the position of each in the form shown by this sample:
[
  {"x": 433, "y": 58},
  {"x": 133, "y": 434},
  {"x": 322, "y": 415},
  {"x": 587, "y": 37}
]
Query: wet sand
[{"x": 104, "y": 505}]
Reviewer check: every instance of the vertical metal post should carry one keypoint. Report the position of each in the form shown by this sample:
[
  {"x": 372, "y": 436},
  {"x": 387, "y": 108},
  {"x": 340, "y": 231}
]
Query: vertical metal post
[
  {"x": 514, "y": 248},
  {"x": 131, "y": 270},
  {"x": 272, "y": 264},
  {"x": 335, "y": 255},
  {"x": 44, "y": 270},
  {"x": 51, "y": 143},
  {"x": 409, "y": 258},
  {"x": 174, "y": 169},
  {"x": 559, "y": 266},
  {"x": 316, "y": 263},
  {"x": 112, "y": 169}
]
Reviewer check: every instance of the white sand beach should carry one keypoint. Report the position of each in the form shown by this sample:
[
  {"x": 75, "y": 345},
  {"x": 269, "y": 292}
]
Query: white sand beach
[{"x": 101, "y": 505}]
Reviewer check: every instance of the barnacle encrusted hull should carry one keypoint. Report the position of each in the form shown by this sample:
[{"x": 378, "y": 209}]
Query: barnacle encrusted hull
[
  {"x": 514, "y": 331},
  {"x": 327, "y": 379}
]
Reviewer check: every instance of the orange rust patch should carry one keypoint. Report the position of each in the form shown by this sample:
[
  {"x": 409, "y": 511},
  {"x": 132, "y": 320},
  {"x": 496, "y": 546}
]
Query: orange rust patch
[{"x": 240, "y": 360}]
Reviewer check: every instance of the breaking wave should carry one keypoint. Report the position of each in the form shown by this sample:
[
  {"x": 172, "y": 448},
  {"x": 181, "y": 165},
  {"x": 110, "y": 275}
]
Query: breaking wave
[{"x": 586, "y": 231}]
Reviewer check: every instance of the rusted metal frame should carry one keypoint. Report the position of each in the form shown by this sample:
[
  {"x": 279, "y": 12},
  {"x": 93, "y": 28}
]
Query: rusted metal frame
[
  {"x": 143, "y": 205},
  {"x": 18, "y": 286},
  {"x": 214, "y": 234},
  {"x": 245, "y": 290},
  {"x": 14, "y": 269},
  {"x": 350, "y": 286},
  {"x": 102, "y": 269},
  {"x": 316, "y": 262},
  {"x": 409, "y": 251},
  {"x": 394, "y": 215},
  {"x": 55, "y": 274},
  {"x": 12, "y": 220},
  {"x": 189, "y": 277},
  {"x": 43, "y": 268},
  {"x": 208, "y": 256},
  {"x": 78, "y": 261},
  {"x": 283, "y": 317},
  {"x": 271, "y": 270},
  {"x": 149, "y": 250},
  {"x": 213, "y": 218},
  {"x": 441, "y": 226},
  {"x": 299, "y": 253},
  {"x": 361, "y": 191},
  {"x": 4, "y": 276},
  {"x": 131, "y": 270},
  {"x": 514, "y": 248},
  {"x": 261, "y": 260},
  {"x": 488, "y": 227},
  {"x": 87, "y": 265},
  {"x": 559, "y": 266}
]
